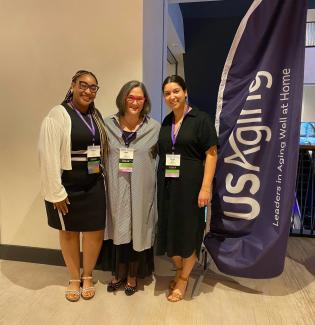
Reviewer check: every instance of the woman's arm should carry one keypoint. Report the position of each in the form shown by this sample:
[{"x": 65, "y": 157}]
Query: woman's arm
[
  {"x": 205, "y": 194},
  {"x": 49, "y": 158}
]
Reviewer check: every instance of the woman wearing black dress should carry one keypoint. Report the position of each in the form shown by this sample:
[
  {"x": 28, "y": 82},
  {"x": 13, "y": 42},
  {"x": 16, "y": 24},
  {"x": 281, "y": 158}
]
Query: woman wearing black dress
[
  {"x": 71, "y": 146},
  {"x": 187, "y": 149}
]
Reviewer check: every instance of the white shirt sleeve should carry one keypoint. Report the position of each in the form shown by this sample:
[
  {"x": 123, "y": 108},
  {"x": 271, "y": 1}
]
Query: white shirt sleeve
[{"x": 50, "y": 144}]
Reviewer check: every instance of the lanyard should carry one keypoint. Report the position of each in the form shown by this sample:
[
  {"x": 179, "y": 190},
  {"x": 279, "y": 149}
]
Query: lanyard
[
  {"x": 90, "y": 127},
  {"x": 132, "y": 135},
  {"x": 128, "y": 137},
  {"x": 173, "y": 133}
]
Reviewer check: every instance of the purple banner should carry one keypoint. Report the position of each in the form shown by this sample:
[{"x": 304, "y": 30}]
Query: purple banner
[{"x": 258, "y": 115}]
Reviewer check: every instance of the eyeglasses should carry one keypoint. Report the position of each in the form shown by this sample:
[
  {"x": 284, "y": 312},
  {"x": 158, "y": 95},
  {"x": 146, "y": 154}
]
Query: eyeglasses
[
  {"x": 131, "y": 99},
  {"x": 84, "y": 86}
]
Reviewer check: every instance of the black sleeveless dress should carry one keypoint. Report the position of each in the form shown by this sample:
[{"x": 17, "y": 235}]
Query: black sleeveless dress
[{"x": 86, "y": 192}]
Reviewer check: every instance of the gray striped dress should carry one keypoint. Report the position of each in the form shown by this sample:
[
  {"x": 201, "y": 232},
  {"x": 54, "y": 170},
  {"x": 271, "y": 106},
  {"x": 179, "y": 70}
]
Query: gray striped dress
[{"x": 131, "y": 201}]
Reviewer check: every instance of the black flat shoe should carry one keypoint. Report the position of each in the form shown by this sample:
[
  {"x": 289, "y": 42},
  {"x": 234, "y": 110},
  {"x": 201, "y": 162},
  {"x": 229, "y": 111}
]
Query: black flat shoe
[
  {"x": 113, "y": 286},
  {"x": 129, "y": 290}
]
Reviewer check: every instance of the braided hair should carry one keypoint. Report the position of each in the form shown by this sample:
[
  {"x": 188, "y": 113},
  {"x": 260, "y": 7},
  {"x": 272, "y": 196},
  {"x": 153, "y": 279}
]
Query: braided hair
[
  {"x": 78, "y": 74},
  {"x": 97, "y": 117}
]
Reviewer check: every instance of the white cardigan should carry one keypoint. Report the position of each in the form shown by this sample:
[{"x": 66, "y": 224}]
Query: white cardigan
[{"x": 54, "y": 153}]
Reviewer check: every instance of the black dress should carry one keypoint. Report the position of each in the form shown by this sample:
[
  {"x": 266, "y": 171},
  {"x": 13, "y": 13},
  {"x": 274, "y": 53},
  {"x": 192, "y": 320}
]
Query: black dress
[
  {"x": 86, "y": 192},
  {"x": 181, "y": 222}
]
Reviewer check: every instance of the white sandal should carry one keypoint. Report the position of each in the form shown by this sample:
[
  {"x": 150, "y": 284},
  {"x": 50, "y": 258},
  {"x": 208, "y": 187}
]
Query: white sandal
[
  {"x": 87, "y": 290},
  {"x": 76, "y": 293}
]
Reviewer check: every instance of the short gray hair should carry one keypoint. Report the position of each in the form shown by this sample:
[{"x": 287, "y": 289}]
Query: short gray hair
[{"x": 124, "y": 92}]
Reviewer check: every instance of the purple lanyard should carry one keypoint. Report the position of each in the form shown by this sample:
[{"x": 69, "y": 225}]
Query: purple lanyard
[
  {"x": 173, "y": 133},
  {"x": 90, "y": 127},
  {"x": 129, "y": 136}
]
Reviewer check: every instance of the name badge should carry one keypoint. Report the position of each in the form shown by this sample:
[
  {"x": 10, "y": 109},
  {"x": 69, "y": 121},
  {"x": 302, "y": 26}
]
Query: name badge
[
  {"x": 126, "y": 160},
  {"x": 93, "y": 159},
  {"x": 172, "y": 165}
]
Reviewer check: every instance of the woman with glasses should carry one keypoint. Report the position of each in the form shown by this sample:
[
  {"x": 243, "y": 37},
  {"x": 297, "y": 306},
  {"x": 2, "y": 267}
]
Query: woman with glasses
[
  {"x": 131, "y": 180},
  {"x": 72, "y": 145},
  {"x": 187, "y": 150}
]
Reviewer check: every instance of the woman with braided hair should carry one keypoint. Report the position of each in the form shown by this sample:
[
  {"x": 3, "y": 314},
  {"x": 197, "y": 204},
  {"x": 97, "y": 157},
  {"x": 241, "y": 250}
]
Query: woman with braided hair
[{"x": 72, "y": 145}]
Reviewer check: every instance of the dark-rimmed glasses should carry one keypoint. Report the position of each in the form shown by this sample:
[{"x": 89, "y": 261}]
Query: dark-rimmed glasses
[{"x": 84, "y": 86}]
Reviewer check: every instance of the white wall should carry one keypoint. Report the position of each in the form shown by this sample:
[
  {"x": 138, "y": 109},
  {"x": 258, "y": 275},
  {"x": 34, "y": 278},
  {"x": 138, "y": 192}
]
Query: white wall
[
  {"x": 176, "y": 21},
  {"x": 175, "y": 42},
  {"x": 311, "y": 15},
  {"x": 171, "y": 68},
  {"x": 308, "y": 105},
  {"x": 180, "y": 67},
  {"x": 43, "y": 43},
  {"x": 154, "y": 52}
]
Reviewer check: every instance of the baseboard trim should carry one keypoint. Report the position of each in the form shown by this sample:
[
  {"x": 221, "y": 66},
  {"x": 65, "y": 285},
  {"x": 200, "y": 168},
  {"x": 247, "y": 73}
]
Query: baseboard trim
[
  {"x": 31, "y": 254},
  {"x": 35, "y": 255}
]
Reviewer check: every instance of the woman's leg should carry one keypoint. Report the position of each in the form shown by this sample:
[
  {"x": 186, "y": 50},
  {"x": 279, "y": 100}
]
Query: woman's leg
[
  {"x": 70, "y": 248},
  {"x": 188, "y": 265},
  {"x": 178, "y": 263},
  {"x": 181, "y": 284},
  {"x": 132, "y": 273},
  {"x": 120, "y": 268},
  {"x": 121, "y": 274},
  {"x": 91, "y": 246}
]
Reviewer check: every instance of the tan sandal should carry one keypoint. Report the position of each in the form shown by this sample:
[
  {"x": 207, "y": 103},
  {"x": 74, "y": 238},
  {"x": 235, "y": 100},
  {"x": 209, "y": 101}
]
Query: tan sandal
[
  {"x": 87, "y": 293},
  {"x": 173, "y": 282},
  {"x": 176, "y": 294},
  {"x": 74, "y": 293}
]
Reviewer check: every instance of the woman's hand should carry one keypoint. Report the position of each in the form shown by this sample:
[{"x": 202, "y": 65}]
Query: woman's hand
[
  {"x": 62, "y": 206},
  {"x": 204, "y": 197},
  {"x": 205, "y": 194}
]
